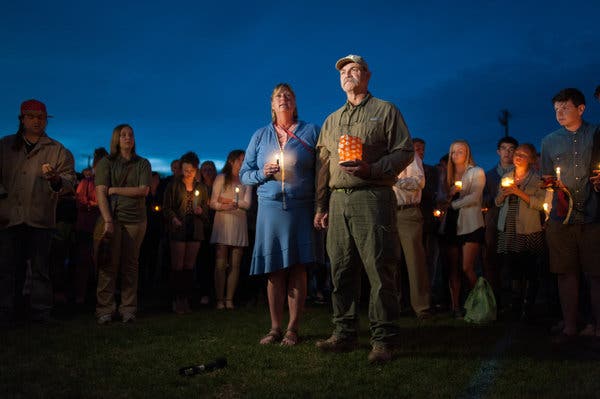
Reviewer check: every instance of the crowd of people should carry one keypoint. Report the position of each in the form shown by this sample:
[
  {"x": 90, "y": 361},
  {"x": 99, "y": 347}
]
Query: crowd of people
[{"x": 295, "y": 215}]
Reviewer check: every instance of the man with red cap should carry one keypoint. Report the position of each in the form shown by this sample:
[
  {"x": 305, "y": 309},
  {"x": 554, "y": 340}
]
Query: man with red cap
[{"x": 34, "y": 169}]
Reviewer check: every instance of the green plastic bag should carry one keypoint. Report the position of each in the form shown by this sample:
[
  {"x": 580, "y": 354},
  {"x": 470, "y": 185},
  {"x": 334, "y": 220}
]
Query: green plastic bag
[{"x": 481, "y": 303}]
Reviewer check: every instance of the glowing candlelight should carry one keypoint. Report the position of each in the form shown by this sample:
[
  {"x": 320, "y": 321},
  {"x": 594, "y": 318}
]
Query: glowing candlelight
[
  {"x": 196, "y": 198},
  {"x": 558, "y": 173},
  {"x": 545, "y": 206},
  {"x": 237, "y": 194},
  {"x": 458, "y": 184},
  {"x": 507, "y": 181},
  {"x": 437, "y": 213},
  {"x": 350, "y": 148},
  {"x": 156, "y": 208}
]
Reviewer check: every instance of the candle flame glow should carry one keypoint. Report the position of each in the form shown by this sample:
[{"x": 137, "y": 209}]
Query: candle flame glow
[{"x": 507, "y": 181}]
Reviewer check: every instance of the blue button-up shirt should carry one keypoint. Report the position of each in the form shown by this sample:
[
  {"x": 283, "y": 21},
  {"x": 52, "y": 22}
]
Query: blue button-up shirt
[{"x": 572, "y": 152}]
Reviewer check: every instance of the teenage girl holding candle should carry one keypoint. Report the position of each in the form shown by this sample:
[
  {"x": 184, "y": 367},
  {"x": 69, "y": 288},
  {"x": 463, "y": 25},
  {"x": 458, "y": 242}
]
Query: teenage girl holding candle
[
  {"x": 230, "y": 228},
  {"x": 463, "y": 227},
  {"x": 185, "y": 208},
  {"x": 520, "y": 235}
]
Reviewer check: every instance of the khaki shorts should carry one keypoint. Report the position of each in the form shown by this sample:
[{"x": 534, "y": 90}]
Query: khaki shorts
[{"x": 573, "y": 248}]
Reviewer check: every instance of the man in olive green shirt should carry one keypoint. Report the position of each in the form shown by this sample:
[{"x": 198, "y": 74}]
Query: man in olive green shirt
[{"x": 358, "y": 206}]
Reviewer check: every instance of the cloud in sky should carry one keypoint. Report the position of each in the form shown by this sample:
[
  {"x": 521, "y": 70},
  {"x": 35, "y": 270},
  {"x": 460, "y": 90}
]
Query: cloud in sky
[{"x": 195, "y": 75}]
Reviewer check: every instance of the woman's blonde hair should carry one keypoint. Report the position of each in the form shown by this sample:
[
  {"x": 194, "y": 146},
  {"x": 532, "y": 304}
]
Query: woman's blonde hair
[
  {"x": 280, "y": 87},
  {"x": 451, "y": 166}
]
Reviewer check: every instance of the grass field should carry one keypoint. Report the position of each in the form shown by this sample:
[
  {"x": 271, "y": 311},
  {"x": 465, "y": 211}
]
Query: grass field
[{"x": 441, "y": 357}]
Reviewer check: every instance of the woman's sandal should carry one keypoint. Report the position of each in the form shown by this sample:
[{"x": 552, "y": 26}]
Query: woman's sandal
[
  {"x": 272, "y": 336},
  {"x": 290, "y": 338}
]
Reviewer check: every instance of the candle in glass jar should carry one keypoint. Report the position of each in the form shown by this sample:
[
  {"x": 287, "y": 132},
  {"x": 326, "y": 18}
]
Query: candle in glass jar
[
  {"x": 558, "y": 173},
  {"x": 458, "y": 184},
  {"x": 507, "y": 181}
]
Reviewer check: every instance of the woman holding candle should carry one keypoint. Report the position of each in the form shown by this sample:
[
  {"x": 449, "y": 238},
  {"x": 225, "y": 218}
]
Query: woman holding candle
[
  {"x": 230, "y": 199},
  {"x": 185, "y": 208},
  {"x": 280, "y": 161},
  {"x": 520, "y": 236},
  {"x": 463, "y": 226}
]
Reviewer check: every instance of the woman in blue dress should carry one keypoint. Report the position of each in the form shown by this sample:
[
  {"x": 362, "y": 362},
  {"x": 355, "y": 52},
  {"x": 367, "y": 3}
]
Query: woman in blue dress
[{"x": 280, "y": 161}]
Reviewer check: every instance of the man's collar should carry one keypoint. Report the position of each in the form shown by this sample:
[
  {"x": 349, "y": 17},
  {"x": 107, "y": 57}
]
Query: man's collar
[{"x": 364, "y": 100}]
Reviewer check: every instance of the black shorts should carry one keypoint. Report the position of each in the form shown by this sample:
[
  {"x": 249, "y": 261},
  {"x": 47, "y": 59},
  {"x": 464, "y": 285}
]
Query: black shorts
[{"x": 184, "y": 233}]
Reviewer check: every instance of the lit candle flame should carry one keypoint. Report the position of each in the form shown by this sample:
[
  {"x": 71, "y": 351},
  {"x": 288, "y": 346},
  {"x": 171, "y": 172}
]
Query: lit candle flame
[
  {"x": 437, "y": 213},
  {"x": 558, "y": 173},
  {"x": 545, "y": 206},
  {"x": 197, "y": 193},
  {"x": 156, "y": 208},
  {"x": 237, "y": 190},
  {"x": 507, "y": 181},
  {"x": 458, "y": 184}
]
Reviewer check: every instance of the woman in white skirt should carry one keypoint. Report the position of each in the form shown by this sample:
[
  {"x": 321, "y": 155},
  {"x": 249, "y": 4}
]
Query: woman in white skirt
[{"x": 230, "y": 199}]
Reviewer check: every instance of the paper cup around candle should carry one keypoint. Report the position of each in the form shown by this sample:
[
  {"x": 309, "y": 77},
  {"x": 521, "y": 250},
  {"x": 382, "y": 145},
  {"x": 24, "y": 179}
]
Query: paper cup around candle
[{"x": 350, "y": 150}]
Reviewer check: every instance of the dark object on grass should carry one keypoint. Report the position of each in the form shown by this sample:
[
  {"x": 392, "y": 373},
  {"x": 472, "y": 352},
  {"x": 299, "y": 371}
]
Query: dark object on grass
[{"x": 189, "y": 371}]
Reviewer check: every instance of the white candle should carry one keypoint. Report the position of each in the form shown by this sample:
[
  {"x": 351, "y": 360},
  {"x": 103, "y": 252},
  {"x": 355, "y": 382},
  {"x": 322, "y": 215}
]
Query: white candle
[
  {"x": 196, "y": 198},
  {"x": 237, "y": 194},
  {"x": 558, "y": 173}
]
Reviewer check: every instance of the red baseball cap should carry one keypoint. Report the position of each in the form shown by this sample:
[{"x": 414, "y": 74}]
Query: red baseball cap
[{"x": 34, "y": 105}]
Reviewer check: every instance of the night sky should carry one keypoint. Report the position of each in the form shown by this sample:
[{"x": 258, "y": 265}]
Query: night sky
[{"x": 196, "y": 76}]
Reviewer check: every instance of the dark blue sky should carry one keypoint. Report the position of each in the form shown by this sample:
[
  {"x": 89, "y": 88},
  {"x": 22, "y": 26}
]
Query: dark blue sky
[{"x": 197, "y": 76}]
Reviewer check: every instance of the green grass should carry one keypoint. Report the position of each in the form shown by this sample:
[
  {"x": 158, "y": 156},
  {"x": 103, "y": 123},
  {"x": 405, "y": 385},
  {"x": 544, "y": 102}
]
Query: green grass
[{"x": 438, "y": 358}]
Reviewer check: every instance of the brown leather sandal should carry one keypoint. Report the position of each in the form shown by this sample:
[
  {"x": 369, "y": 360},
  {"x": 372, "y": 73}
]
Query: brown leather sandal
[
  {"x": 272, "y": 336},
  {"x": 290, "y": 338}
]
